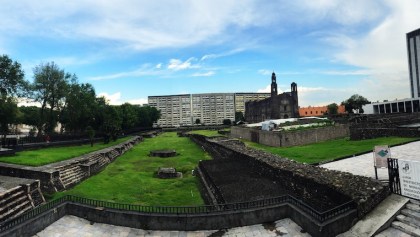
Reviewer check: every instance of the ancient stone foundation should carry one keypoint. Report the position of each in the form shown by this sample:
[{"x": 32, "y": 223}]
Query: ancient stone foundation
[{"x": 307, "y": 182}]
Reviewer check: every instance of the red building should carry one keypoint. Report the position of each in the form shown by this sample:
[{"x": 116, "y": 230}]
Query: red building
[{"x": 317, "y": 111}]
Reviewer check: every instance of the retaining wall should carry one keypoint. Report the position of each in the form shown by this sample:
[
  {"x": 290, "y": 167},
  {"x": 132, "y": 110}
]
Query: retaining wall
[
  {"x": 303, "y": 179},
  {"x": 290, "y": 138}
]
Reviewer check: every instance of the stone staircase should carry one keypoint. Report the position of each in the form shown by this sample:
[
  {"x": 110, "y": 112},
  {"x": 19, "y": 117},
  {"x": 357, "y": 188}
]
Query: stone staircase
[
  {"x": 71, "y": 174},
  {"x": 407, "y": 223},
  {"x": 13, "y": 203}
]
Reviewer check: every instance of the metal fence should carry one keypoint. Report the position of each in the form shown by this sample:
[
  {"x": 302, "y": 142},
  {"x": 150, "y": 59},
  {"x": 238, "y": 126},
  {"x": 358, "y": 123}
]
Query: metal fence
[{"x": 171, "y": 210}]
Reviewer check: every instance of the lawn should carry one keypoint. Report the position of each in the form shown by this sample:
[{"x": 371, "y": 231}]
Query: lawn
[
  {"x": 207, "y": 133},
  {"x": 54, "y": 154},
  {"x": 329, "y": 150},
  {"x": 131, "y": 177}
]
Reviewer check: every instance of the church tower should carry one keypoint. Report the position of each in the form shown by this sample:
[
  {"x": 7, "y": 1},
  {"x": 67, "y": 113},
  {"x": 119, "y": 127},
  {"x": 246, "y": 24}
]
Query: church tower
[{"x": 273, "y": 85}]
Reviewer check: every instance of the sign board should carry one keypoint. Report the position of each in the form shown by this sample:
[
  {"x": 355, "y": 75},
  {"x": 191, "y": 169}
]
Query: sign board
[
  {"x": 381, "y": 155},
  {"x": 409, "y": 178}
]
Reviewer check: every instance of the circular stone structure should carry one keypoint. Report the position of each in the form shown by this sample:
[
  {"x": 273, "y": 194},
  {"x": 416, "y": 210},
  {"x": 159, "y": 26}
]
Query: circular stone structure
[{"x": 163, "y": 153}]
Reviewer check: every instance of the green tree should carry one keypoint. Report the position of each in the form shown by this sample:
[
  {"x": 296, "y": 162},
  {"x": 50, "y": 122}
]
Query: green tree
[
  {"x": 129, "y": 115},
  {"x": 355, "y": 102},
  {"x": 49, "y": 88},
  {"x": 147, "y": 116},
  {"x": 8, "y": 113},
  {"x": 30, "y": 115},
  {"x": 197, "y": 121},
  {"x": 78, "y": 111},
  {"x": 227, "y": 122},
  {"x": 111, "y": 126},
  {"x": 12, "y": 82},
  {"x": 239, "y": 116},
  {"x": 91, "y": 133},
  {"x": 332, "y": 108}
]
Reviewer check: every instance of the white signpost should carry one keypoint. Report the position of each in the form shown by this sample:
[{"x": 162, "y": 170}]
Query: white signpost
[
  {"x": 409, "y": 172},
  {"x": 380, "y": 157}
]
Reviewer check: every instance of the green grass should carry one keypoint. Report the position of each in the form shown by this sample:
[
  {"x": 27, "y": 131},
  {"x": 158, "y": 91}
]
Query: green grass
[
  {"x": 207, "y": 133},
  {"x": 328, "y": 150},
  {"x": 54, "y": 154},
  {"x": 131, "y": 177}
]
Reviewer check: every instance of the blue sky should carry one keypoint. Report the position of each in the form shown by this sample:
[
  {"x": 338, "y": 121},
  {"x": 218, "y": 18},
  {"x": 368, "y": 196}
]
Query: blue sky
[{"x": 131, "y": 49}]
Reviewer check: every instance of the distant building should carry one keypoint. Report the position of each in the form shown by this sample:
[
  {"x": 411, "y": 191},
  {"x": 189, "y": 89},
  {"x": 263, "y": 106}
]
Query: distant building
[
  {"x": 276, "y": 106},
  {"x": 311, "y": 111},
  {"x": 242, "y": 98},
  {"x": 412, "y": 104},
  {"x": 207, "y": 108},
  {"x": 413, "y": 52}
]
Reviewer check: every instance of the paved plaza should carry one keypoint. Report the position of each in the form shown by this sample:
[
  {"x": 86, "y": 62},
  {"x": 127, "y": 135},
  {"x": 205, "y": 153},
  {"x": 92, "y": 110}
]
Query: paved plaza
[
  {"x": 359, "y": 165},
  {"x": 363, "y": 164},
  {"x": 70, "y": 226}
]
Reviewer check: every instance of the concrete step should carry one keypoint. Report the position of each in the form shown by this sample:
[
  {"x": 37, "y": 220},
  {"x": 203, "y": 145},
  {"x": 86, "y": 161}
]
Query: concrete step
[
  {"x": 415, "y": 202},
  {"x": 12, "y": 196},
  {"x": 413, "y": 207},
  {"x": 411, "y": 213},
  {"x": 409, "y": 221},
  {"x": 392, "y": 232},
  {"x": 15, "y": 210},
  {"x": 15, "y": 202},
  {"x": 412, "y": 231}
]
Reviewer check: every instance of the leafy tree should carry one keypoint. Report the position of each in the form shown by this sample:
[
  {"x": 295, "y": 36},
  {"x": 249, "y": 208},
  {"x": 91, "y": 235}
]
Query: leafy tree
[
  {"x": 11, "y": 78},
  {"x": 49, "y": 88},
  {"x": 78, "y": 111},
  {"x": 355, "y": 102},
  {"x": 239, "y": 116},
  {"x": 91, "y": 133},
  {"x": 8, "y": 113},
  {"x": 30, "y": 115},
  {"x": 227, "y": 122},
  {"x": 111, "y": 124},
  {"x": 197, "y": 121},
  {"x": 129, "y": 115},
  {"x": 147, "y": 116},
  {"x": 332, "y": 108}
]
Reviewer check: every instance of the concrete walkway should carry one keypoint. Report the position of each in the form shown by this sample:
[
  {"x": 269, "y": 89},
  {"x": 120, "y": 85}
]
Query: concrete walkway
[
  {"x": 358, "y": 165},
  {"x": 70, "y": 226},
  {"x": 363, "y": 164}
]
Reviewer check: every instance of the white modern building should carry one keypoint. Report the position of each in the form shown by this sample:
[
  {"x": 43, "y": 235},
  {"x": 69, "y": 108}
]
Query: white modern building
[
  {"x": 413, "y": 52},
  {"x": 208, "y": 108},
  {"x": 412, "y": 104}
]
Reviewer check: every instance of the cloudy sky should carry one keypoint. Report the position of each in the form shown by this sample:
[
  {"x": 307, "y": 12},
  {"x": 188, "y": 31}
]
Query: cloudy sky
[{"x": 131, "y": 49}]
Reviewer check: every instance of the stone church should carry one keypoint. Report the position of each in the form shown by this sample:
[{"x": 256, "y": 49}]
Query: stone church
[{"x": 277, "y": 106}]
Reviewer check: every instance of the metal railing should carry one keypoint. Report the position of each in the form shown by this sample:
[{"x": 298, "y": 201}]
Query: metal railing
[{"x": 174, "y": 210}]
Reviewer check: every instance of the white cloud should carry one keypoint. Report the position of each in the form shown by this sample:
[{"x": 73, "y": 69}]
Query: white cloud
[
  {"x": 113, "y": 99},
  {"x": 177, "y": 64},
  {"x": 158, "y": 66},
  {"x": 224, "y": 54},
  {"x": 264, "y": 72},
  {"x": 203, "y": 74},
  {"x": 382, "y": 52},
  {"x": 144, "y": 70}
]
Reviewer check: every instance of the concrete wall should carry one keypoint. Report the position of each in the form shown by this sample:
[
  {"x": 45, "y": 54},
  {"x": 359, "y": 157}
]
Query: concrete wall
[
  {"x": 291, "y": 138},
  {"x": 185, "y": 222}
]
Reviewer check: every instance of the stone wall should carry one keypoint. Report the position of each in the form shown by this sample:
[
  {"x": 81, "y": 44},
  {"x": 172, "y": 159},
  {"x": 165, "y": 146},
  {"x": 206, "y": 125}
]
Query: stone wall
[
  {"x": 50, "y": 175},
  {"x": 384, "y": 125},
  {"x": 365, "y": 192},
  {"x": 290, "y": 138}
]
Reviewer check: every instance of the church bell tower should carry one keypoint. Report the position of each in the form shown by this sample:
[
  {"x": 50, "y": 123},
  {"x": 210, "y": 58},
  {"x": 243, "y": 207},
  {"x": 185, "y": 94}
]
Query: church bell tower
[{"x": 273, "y": 85}]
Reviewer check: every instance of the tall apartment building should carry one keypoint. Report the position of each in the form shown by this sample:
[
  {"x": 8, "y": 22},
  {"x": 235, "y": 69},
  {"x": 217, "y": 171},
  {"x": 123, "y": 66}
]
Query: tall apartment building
[
  {"x": 242, "y": 98},
  {"x": 175, "y": 109},
  {"x": 413, "y": 49},
  {"x": 209, "y": 108}
]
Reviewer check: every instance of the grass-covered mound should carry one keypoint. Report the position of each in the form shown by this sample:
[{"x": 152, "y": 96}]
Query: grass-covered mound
[
  {"x": 132, "y": 177},
  {"x": 55, "y": 154},
  {"x": 329, "y": 150}
]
